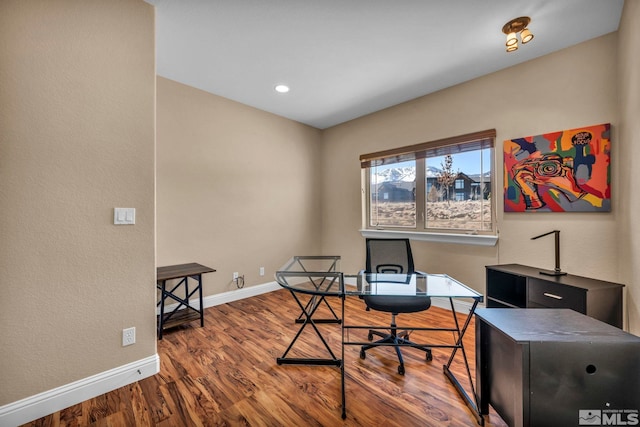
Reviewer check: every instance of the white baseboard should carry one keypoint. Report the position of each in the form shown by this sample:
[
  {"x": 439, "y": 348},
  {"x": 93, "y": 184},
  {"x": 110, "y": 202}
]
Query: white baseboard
[
  {"x": 229, "y": 296},
  {"x": 48, "y": 402},
  {"x": 238, "y": 294}
]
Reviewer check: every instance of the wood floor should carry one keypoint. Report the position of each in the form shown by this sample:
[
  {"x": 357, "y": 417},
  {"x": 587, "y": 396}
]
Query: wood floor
[{"x": 225, "y": 374}]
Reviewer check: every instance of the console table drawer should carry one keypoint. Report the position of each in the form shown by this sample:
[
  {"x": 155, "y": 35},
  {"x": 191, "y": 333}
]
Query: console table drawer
[{"x": 553, "y": 295}]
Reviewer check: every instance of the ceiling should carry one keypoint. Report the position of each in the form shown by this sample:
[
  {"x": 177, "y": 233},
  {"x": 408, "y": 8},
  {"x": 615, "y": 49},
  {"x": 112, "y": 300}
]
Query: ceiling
[{"x": 347, "y": 58}]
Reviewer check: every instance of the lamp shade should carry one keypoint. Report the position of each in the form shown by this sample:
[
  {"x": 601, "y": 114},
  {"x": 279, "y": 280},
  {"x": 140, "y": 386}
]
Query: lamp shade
[
  {"x": 526, "y": 36},
  {"x": 512, "y": 39},
  {"x": 512, "y": 48}
]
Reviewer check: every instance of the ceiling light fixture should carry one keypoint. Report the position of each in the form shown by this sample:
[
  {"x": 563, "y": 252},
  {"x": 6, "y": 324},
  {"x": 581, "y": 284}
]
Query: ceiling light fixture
[
  {"x": 282, "y": 88},
  {"x": 512, "y": 28}
]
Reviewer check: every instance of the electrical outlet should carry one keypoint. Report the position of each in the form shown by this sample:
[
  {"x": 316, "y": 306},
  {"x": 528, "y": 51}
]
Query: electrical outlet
[
  {"x": 235, "y": 275},
  {"x": 262, "y": 271},
  {"x": 128, "y": 336}
]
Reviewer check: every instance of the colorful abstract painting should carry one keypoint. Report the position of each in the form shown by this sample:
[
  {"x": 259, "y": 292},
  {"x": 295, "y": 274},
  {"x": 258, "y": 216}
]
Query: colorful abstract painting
[{"x": 567, "y": 171}]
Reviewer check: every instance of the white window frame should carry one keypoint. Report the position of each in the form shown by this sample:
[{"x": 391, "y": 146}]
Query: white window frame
[{"x": 471, "y": 237}]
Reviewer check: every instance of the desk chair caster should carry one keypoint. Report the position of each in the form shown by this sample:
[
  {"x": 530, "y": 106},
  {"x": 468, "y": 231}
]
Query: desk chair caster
[
  {"x": 396, "y": 340},
  {"x": 427, "y": 351},
  {"x": 363, "y": 355}
]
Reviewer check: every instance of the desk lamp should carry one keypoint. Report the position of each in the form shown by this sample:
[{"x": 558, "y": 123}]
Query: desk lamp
[{"x": 556, "y": 271}]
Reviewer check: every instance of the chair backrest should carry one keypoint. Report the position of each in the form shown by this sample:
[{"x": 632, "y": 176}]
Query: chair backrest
[{"x": 389, "y": 256}]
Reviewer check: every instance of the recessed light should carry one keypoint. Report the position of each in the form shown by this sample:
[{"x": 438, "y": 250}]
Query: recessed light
[{"x": 282, "y": 88}]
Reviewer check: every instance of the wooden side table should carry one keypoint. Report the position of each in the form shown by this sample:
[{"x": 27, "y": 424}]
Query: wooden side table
[{"x": 184, "y": 311}]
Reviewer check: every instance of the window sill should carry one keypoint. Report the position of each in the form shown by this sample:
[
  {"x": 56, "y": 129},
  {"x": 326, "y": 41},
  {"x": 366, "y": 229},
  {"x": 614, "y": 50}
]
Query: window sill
[{"x": 462, "y": 239}]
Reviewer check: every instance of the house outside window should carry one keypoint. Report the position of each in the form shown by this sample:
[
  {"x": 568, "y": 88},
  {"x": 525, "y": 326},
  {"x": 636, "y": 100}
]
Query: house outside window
[{"x": 438, "y": 186}]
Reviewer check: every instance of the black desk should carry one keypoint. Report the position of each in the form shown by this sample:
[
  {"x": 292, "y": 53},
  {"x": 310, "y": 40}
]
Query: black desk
[
  {"x": 547, "y": 367},
  {"x": 183, "y": 312}
]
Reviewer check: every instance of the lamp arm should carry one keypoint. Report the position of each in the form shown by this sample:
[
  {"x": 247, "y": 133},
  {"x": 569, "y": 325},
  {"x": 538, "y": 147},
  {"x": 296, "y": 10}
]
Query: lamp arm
[{"x": 545, "y": 234}]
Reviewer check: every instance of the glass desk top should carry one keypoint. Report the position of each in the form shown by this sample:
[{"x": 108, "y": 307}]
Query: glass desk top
[
  {"x": 317, "y": 275},
  {"x": 320, "y": 275},
  {"x": 418, "y": 284}
]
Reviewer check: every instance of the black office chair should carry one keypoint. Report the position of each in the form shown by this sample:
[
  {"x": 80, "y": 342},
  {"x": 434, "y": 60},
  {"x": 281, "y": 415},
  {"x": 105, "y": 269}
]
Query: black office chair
[{"x": 393, "y": 256}]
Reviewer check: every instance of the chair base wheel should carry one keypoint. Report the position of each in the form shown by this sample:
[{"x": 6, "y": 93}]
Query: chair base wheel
[
  {"x": 429, "y": 356},
  {"x": 363, "y": 354},
  {"x": 401, "y": 369}
]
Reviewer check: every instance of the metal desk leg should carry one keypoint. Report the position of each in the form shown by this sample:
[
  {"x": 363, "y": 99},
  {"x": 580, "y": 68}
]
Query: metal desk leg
[
  {"x": 319, "y": 299},
  {"x": 472, "y": 404},
  {"x": 316, "y": 301},
  {"x": 308, "y": 361}
]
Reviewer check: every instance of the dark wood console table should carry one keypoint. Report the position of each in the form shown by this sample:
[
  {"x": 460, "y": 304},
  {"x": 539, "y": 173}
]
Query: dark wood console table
[
  {"x": 520, "y": 286},
  {"x": 555, "y": 367},
  {"x": 184, "y": 311}
]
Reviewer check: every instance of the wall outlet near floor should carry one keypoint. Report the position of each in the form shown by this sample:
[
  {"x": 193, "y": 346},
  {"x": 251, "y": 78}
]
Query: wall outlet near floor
[
  {"x": 262, "y": 271},
  {"x": 235, "y": 275},
  {"x": 128, "y": 336}
]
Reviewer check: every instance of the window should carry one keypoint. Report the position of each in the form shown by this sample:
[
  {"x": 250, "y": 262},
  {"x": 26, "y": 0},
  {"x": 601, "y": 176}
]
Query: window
[{"x": 438, "y": 186}]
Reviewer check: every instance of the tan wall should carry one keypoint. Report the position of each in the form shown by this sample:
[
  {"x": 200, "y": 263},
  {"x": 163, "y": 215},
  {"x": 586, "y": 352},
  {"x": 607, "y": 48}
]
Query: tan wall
[
  {"x": 76, "y": 140},
  {"x": 571, "y": 88},
  {"x": 238, "y": 188},
  {"x": 628, "y": 236}
]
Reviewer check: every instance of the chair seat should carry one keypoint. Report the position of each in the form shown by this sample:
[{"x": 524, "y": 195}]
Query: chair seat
[{"x": 397, "y": 304}]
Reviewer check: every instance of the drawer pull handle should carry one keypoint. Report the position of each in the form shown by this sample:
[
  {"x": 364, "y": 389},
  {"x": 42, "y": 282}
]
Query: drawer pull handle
[{"x": 547, "y": 294}]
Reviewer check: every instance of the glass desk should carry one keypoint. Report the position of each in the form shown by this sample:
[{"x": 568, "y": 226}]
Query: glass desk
[{"x": 319, "y": 278}]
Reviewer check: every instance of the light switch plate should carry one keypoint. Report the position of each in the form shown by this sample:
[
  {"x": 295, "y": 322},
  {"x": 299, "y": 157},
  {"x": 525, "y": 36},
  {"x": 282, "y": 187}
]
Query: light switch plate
[{"x": 124, "y": 216}]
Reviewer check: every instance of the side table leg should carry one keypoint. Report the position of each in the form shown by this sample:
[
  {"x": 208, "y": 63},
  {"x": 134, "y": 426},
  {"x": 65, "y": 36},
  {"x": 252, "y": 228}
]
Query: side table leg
[
  {"x": 201, "y": 303},
  {"x": 161, "y": 315}
]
